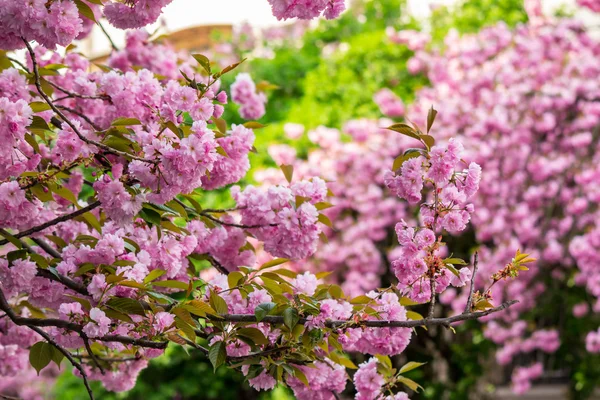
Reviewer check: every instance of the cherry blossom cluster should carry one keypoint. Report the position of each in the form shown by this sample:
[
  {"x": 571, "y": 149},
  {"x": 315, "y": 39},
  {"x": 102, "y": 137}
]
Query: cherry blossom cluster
[
  {"x": 244, "y": 93},
  {"x": 534, "y": 130},
  {"x": 286, "y": 217},
  {"x": 370, "y": 383},
  {"x": 389, "y": 104},
  {"x": 593, "y": 5},
  {"x": 307, "y": 9}
]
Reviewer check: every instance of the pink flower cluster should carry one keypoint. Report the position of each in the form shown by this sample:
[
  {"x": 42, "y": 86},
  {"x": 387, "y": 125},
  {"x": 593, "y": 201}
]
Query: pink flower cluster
[
  {"x": 56, "y": 24},
  {"x": 522, "y": 377},
  {"x": 389, "y": 104},
  {"x": 369, "y": 383},
  {"x": 324, "y": 379},
  {"x": 288, "y": 229},
  {"x": 307, "y": 9},
  {"x": 244, "y": 93},
  {"x": 386, "y": 341},
  {"x": 15, "y": 210},
  {"x": 593, "y": 5},
  {"x": 135, "y": 13},
  {"x": 592, "y": 341},
  {"x": 414, "y": 40}
]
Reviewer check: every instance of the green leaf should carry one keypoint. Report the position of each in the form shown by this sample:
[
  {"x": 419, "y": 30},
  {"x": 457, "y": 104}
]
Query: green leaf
[
  {"x": 154, "y": 274},
  {"x": 38, "y": 123},
  {"x": 126, "y": 122},
  {"x": 186, "y": 328},
  {"x": 273, "y": 263},
  {"x": 324, "y": 219},
  {"x": 262, "y": 310},
  {"x": 12, "y": 239},
  {"x": 65, "y": 194},
  {"x": 346, "y": 362},
  {"x": 126, "y": 305},
  {"x": 385, "y": 360},
  {"x": 202, "y": 306},
  {"x": 405, "y": 301},
  {"x": 203, "y": 61},
  {"x": 85, "y": 10},
  {"x": 453, "y": 270},
  {"x": 233, "y": 278},
  {"x": 414, "y": 315},
  {"x": 323, "y": 205},
  {"x": 409, "y": 366},
  {"x": 172, "y": 284},
  {"x": 290, "y": 317},
  {"x": 256, "y": 335},
  {"x": 455, "y": 261},
  {"x": 40, "y": 355},
  {"x": 430, "y": 118},
  {"x": 410, "y": 383},
  {"x": 39, "y": 106},
  {"x": 398, "y": 161},
  {"x": 288, "y": 171},
  {"x": 218, "y": 303},
  {"x": 405, "y": 130},
  {"x": 300, "y": 375},
  {"x": 150, "y": 216},
  {"x": 84, "y": 302},
  {"x": 57, "y": 356},
  {"x": 428, "y": 140},
  {"x": 217, "y": 354},
  {"x": 361, "y": 300},
  {"x": 113, "y": 314},
  {"x": 254, "y": 125}
]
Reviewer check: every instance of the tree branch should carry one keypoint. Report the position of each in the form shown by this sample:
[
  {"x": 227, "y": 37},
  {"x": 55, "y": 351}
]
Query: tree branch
[
  {"x": 276, "y": 319},
  {"x": 58, "y": 220},
  {"x": 472, "y": 289}
]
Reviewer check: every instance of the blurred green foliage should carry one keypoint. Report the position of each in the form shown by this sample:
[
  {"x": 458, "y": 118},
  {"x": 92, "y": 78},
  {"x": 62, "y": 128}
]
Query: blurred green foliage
[{"x": 318, "y": 87}]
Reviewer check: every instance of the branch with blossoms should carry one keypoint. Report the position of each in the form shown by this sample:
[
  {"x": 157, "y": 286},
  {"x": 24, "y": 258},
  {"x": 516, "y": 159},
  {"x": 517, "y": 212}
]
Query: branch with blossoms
[{"x": 108, "y": 250}]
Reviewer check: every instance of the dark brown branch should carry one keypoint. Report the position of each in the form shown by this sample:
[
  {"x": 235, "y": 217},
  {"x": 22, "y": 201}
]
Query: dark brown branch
[
  {"x": 80, "y": 115},
  {"x": 472, "y": 288},
  {"x": 432, "y": 298},
  {"x": 58, "y": 220},
  {"x": 217, "y": 265},
  {"x": 80, "y": 96},
  {"x": 59, "y": 323},
  {"x": 275, "y": 319},
  {"x": 46, "y": 247},
  {"x": 86, "y": 342}
]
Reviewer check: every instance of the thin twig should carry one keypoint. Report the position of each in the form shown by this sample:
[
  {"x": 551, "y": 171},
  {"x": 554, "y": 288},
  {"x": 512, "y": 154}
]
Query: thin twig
[
  {"x": 80, "y": 115},
  {"x": 58, "y": 220},
  {"x": 112, "y": 43},
  {"x": 86, "y": 342},
  {"x": 472, "y": 289},
  {"x": 46, "y": 247},
  {"x": 80, "y": 96}
]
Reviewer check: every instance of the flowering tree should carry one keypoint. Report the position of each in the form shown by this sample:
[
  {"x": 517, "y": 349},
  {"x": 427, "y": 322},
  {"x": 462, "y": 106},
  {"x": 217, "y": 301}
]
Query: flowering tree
[
  {"x": 535, "y": 132},
  {"x": 102, "y": 173}
]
